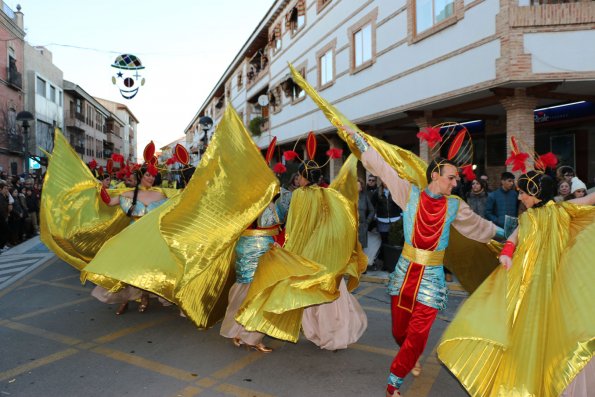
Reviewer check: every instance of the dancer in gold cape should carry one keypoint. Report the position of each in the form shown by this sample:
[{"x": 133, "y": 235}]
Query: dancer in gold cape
[
  {"x": 182, "y": 250},
  {"x": 417, "y": 286},
  {"x": 74, "y": 221},
  {"x": 321, "y": 246},
  {"x": 529, "y": 331}
]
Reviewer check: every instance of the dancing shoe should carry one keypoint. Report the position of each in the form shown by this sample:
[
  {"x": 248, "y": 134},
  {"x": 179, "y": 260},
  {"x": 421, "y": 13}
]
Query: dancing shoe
[
  {"x": 261, "y": 348},
  {"x": 416, "y": 371},
  {"x": 122, "y": 309},
  {"x": 144, "y": 303}
]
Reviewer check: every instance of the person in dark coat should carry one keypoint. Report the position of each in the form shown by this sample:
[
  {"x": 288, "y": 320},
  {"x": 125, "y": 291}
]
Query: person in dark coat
[
  {"x": 503, "y": 201},
  {"x": 478, "y": 196},
  {"x": 366, "y": 213}
]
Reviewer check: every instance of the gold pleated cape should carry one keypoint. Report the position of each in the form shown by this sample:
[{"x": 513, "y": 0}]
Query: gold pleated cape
[
  {"x": 478, "y": 260},
  {"x": 74, "y": 222},
  {"x": 530, "y": 330},
  {"x": 183, "y": 249},
  {"x": 321, "y": 246}
]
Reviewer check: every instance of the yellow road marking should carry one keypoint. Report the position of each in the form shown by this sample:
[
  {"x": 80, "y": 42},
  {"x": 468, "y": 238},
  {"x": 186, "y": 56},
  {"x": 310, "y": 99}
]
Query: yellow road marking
[
  {"x": 240, "y": 391},
  {"x": 189, "y": 391},
  {"x": 367, "y": 290},
  {"x": 67, "y": 340},
  {"x": 373, "y": 349},
  {"x": 376, "y": 309},
  {"x": 236, "y": 366},
  {"x": 206, "y": 382},
  {"x": 53, "y": 308},
  {"x": 145, "y": 363},
  {"x": 130, "y": 330},
  {"x": 11, "y": 373},
  {"x": 423, "y": 384}
]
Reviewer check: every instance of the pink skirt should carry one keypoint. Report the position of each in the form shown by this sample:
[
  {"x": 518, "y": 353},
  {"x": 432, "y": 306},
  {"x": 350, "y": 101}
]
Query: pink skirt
[
  {"x": 337, "y": 324},
  {"x": 230, "y": 328},
  {"x": 583, "y": 384}
]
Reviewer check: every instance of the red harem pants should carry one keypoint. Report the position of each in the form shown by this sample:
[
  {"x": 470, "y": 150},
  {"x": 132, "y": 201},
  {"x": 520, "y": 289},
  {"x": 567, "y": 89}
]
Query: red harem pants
[{"x": 411, "y": 331}]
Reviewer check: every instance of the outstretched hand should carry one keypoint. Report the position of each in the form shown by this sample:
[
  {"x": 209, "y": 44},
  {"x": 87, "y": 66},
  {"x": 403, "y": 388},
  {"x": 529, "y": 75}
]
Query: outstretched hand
[
  {"x": 506, "y": 261},
  {"x": 348, "y": 130}
]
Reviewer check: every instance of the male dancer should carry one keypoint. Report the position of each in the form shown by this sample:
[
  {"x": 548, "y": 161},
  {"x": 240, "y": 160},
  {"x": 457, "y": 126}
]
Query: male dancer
[{"x": 417, "y": 286}]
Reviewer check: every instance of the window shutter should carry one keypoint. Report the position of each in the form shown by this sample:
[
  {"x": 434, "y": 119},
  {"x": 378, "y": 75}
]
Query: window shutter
[{"x": 301, "y": 7}]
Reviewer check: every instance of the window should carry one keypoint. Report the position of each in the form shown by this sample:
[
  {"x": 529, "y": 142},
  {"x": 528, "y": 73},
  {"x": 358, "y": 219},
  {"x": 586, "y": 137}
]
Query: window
[
  {"x": 295, "y": 19},
  {"x": 321, "y": 4},
  {"x": 362, "y": 49},
  {"x": 53, "y": 94},
  {"x": 431, "y": 12},
  {"x": 275, "y": 38},
  {"x": 326, "y": 66},
  {"x": 60, "y": 98},
  {"x": 240, "y": 82},
  {"x": 362, "y": 41},
  {"x": 79, "y": 106},
  {"x": 40, "y": 87}
]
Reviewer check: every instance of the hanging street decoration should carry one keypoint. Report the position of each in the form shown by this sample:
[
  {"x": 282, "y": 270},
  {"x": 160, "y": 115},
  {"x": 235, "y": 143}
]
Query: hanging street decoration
[{"x": 127, "y": 77}]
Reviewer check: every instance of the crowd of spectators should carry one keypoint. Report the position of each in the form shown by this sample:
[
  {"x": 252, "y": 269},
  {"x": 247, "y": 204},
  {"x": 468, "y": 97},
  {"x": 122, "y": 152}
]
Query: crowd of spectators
[{"x": 19, "y": 209}]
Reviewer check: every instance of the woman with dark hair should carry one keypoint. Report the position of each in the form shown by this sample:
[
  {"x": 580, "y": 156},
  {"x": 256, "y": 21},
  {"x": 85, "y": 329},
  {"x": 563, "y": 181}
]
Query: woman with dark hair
[
  {"x": 529, "y": 327},
  {"x": 293, "y": 182},
  {"x": 135, "y": 204},
  {"x": 478, "y": 196},
  {"x": 302, "y": 285}
]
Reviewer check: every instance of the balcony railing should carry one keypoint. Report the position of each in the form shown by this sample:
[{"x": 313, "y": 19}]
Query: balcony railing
[{"x": 15, "y": 78}]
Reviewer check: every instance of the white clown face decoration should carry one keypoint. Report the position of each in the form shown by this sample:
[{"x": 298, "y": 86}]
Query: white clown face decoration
[{"x": 128, "y": 77}]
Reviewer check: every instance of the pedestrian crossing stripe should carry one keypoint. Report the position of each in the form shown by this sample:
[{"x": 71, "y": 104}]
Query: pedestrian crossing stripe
[{"x": 14, "y": 267}]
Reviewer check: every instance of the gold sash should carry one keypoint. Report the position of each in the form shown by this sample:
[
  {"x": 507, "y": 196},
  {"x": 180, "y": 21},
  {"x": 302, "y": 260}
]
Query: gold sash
[{"x": 423, "y": 257}]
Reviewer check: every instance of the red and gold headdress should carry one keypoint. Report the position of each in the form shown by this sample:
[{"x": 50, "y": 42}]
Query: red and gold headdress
[
  {"x": 460, "y": 146},
  {"x": 532, "y": 179},
  {"x": 309, "y": 162}
]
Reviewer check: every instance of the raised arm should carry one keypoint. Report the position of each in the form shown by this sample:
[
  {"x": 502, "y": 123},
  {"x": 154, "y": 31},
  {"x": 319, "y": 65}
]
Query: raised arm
[
  {"x": 587, "y": 200},
  {"x": 473, "y": 226},
  {"x": 373, "y": 162}
]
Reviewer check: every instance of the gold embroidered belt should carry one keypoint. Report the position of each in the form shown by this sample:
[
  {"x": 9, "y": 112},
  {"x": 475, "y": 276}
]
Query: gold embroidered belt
[
  {"x": 423, "y": 257},
  {"x": 261, "y": 232}
]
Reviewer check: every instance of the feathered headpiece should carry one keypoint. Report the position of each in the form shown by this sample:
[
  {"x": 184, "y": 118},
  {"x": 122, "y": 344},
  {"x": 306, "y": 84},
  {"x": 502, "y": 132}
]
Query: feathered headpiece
[
  {"x": 531, "y": 180},
  {"x": 309, "y": 163},
  {"x": 460, "y": 145}
]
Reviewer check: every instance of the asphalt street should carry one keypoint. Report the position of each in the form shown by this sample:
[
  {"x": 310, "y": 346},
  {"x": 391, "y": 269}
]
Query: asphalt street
[{"x": 56, "y": 340}]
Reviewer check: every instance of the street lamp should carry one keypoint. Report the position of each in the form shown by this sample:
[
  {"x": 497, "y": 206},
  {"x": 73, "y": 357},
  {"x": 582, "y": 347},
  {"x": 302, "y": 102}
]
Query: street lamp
[
  {"x": 205, "y": 124},
  {"x": 24, "y": 117}
]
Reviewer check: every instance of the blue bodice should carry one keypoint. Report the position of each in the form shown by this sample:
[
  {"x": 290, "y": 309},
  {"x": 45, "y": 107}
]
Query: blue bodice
[
  {"x": 432, "y": 290},
  {"x": 249, "y": 249},
  {"x": 140, "y": 209}
]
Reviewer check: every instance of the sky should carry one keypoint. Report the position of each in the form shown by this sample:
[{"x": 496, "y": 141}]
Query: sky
[{"x": 185, "y": 46}]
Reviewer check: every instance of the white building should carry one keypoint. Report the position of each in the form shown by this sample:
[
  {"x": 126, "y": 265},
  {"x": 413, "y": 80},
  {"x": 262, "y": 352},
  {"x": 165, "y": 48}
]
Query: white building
[{"x": 395, "y": 66}]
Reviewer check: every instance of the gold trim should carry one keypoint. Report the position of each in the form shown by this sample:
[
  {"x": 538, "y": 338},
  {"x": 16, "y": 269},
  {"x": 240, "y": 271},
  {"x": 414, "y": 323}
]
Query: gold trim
[
  {"x": 423, "y": 257},
  {"x": 260, "y": 232}
]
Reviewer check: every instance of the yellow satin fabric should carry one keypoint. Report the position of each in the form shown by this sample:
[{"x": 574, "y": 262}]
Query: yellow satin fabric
[
  {"x": 479, "y": 260},
  {"x": 74, "y": 222},
  {"x": 183, "y": 249},
  {"x": 321, "y": 246},
  {"x": 529, "y": 331},
  {"x": 418, "y": 255}
]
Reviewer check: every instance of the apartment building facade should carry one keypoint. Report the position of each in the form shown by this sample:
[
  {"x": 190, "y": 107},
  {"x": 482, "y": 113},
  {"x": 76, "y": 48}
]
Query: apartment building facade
[
  {"x": 44, "y": 98},
  {"x": 12, "y": 34},
  {"x": 504, "y": 67},
  {"x": 126, "y": 140},
  {"x": 91, "y": 129}
]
